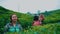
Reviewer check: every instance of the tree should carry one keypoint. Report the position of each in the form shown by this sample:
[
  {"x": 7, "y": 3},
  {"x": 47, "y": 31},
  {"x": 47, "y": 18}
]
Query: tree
[
  {"x": 38, "y": 12},
  {"x": 46, "y": 13},
  {"x": 29, "y": 13}
]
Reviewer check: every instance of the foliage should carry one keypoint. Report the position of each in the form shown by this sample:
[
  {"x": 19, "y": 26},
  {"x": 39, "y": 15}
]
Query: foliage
[
  {"x": 45, "y": 29},
  {"x": 26, "y": 21}
]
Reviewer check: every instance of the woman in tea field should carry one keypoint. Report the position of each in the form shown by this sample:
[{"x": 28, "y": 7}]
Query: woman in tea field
[{"x": 14, "y": 25}]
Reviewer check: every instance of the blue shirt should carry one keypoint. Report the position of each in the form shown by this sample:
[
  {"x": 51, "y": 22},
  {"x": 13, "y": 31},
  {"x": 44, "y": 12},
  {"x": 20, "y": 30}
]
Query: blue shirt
[{"x": 11, "y": 28}]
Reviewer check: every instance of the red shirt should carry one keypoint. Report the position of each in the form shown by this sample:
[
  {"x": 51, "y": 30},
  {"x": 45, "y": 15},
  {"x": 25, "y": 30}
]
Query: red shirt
[{"x": 36, "y": 23}]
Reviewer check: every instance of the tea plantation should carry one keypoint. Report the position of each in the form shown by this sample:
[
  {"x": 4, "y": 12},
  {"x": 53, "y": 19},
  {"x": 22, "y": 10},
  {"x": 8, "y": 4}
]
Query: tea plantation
[{"x": 51, "y": 24}]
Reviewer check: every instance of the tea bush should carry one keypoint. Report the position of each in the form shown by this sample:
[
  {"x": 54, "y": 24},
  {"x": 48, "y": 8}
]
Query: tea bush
[{"x": 45, "y": 29}]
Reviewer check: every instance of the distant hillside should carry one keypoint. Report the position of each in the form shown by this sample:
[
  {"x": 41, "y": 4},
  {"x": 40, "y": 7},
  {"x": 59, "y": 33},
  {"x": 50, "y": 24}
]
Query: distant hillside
[{"x": 52, "y": 16}]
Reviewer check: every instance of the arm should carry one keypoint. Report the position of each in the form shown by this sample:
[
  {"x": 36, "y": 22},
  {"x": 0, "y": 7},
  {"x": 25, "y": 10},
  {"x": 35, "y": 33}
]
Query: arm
[{"x": 6, "y": 28}]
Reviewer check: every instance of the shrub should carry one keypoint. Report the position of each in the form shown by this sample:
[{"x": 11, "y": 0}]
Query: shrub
[{"x": 45, "y": 29}]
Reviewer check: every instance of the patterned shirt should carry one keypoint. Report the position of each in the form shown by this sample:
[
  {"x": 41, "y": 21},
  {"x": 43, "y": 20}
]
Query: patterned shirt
[{"x": 11, "y": 28}]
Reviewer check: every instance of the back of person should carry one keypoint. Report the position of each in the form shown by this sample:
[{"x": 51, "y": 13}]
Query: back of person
[{"x": 36, "y": 23}]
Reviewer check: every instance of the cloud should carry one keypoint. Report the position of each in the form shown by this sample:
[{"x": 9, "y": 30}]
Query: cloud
[{"x": 30, "y": 5}]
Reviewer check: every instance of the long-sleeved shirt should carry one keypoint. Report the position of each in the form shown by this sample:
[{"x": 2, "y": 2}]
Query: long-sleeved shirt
[{"x": 11, "y": 28}]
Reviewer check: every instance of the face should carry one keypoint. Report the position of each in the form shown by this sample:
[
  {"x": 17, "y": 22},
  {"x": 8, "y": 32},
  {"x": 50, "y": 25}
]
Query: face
[{"x": 14, "y": 18}]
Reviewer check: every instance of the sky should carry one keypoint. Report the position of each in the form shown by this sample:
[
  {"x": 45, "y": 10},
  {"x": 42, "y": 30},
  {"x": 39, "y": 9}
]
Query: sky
[{"x": 30, "y": 5}]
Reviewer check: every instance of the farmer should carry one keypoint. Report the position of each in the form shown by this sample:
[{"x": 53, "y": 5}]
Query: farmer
[{"x": 14, "y": 25}]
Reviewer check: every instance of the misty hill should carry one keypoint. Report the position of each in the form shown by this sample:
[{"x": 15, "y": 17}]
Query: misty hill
[{"x": 52, "y": 16}]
